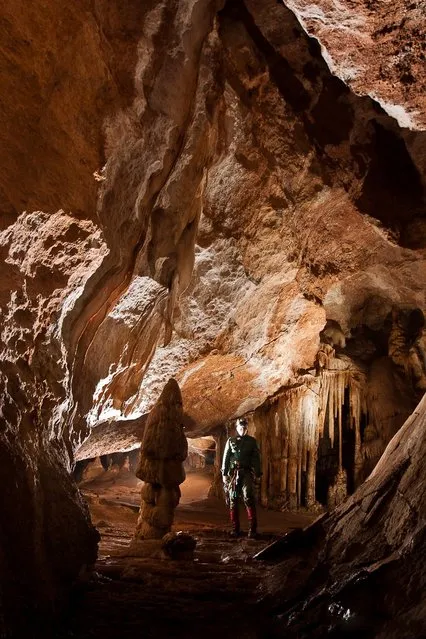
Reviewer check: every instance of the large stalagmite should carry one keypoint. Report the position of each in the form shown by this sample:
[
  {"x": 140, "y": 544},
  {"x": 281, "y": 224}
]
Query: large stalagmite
[{"x": 164, "y": 448}]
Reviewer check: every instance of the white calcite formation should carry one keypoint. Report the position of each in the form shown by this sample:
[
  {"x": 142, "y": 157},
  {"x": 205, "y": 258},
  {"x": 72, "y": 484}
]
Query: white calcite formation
[{"x": 302, "y": 427}]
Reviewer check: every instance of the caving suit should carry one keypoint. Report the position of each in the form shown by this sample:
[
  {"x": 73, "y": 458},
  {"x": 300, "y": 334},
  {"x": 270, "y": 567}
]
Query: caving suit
[{"x": 240, "y": 469}]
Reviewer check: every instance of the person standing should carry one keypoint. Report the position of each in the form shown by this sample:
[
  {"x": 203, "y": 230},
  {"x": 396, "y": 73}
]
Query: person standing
[{"x": 241, "y": 472}]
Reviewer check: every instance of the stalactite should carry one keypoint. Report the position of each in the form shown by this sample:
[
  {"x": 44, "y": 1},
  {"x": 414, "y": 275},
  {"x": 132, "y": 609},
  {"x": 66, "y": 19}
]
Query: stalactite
[
  {"x": 331, "y": 412},
  {"x": 277, "y": 424},
  {"x": 322, "y": 408},
  {"x": 304, "y": 436},
  {"x": 291, "y": 426},
  {"x": 286, "y": 449},
  {"x": 340, "y": 381}
]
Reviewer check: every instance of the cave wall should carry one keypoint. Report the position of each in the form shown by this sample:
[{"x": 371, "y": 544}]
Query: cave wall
[
  {"x": 376, "y": 48},
  {"x": 96, "y": 124},
  {"x": 361, "y": 570},
  {"x": 68, "y": 81},
  {"x": 189, "y": 175},
  {"x": 300, "y": 226},
  {"x": 311, "y": 220}
]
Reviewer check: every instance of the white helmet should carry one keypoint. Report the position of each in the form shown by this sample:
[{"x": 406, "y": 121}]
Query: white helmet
[{"x": 241, "y": 426}]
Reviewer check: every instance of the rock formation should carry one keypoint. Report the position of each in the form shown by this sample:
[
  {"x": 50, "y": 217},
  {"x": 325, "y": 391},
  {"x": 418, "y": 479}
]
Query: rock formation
[
  {"x": 323, "y": 436},
  {"x": 200, "y": 189},
  {"x": 365, "y": 574},
  {"x": 201, "y": 452},
  {"x": 179, "y": 545},
  {"x": 163, "y": 450},
  {"x": 298, "y": 191},
  {"x": 376, "y": 48}
]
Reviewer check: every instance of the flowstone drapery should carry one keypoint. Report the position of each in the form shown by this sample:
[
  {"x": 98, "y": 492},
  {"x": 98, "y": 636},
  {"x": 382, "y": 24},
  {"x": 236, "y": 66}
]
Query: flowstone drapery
[
  {"x": 321, "y": 437},
  {"x": 164, "y": 448},
  {"x": 304, "y": 432}
]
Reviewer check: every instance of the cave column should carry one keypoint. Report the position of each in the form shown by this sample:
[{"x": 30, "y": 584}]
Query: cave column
[
  {"x": 292, "y": 482},
  {"x": 310, "y": 478}
]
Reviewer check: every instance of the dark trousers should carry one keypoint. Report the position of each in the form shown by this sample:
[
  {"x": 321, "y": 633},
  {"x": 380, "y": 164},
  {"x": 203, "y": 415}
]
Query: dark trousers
[{"x": 241, "y": 485}]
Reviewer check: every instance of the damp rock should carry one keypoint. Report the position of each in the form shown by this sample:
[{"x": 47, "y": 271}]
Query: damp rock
[{"x": 179, "y": 545}]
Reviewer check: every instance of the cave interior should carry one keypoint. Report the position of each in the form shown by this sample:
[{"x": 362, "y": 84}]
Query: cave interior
[{"x": 212, "y": 210}]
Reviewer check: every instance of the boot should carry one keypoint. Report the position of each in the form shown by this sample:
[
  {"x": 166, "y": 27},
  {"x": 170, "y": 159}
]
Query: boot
[
  {"x": 252, "y": 518},
  {"x": 234, "y": 516}
]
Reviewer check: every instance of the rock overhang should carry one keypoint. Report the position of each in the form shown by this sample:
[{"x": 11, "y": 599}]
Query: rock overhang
[{"x": 276, "y": 234}]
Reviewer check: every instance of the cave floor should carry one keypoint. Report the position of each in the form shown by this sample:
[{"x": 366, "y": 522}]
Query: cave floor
[{"x": 215, "y": 595}]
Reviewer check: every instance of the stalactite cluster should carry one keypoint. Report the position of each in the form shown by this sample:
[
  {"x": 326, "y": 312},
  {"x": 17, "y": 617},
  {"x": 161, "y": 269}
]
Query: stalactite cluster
[
  {"x": 311, "y": 437},
  {"x": 322, "y": 436}
]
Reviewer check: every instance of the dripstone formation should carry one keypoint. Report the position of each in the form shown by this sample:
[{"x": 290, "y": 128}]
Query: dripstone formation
[{"x": 164, "y": 448}]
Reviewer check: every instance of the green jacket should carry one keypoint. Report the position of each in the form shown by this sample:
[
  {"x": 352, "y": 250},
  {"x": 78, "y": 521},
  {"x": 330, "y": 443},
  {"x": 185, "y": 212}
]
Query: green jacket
[{"x": 243, "y": 452}]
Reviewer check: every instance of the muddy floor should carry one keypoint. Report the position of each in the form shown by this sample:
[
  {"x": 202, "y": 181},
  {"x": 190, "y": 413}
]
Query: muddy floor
[{"x": 214, "y": 595}]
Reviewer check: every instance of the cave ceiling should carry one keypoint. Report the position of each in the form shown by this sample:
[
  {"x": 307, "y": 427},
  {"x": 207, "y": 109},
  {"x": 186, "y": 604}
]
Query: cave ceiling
[{"x": 210, "y": 186}]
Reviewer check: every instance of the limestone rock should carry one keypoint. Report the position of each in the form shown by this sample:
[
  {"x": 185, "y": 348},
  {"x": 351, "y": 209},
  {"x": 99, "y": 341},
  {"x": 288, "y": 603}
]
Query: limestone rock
[
  {"x": 149, "y": 493},
  {"x": 179, "y": 545},
  {"x": 167, "y": 472},
  {"x": 368, "y": 58},
  {"x": 281, "y": 246},
  {"x": 370, "y": 565},
  {"x": 338, "y": 492},
  {"x": 163, "y": 449},
  {"x": 163, "y": 436},
  {"x": 145, "y": 548},
  {"x": 157, "y": 516}
]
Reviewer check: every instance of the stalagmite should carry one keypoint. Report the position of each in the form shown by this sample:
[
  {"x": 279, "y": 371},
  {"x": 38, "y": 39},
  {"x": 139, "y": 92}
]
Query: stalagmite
[{"x": 164, "y": 448}]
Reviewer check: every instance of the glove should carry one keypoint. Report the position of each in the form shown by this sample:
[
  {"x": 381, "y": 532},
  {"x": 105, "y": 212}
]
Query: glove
[{"x": 256, "y": 481}]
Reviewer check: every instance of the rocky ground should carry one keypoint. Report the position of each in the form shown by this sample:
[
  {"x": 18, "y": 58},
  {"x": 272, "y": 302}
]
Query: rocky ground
[{"x": 215, "y": 595}]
